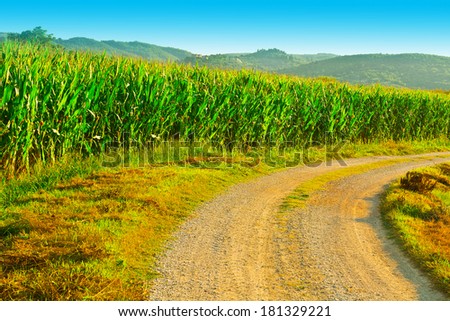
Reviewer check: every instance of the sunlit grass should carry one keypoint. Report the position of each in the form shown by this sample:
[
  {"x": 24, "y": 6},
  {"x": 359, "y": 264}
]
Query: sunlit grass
[
  {"x": 96, "y": 238},
  {"x": 300, "y": 196},
  {"x": 421, "y": 221}
]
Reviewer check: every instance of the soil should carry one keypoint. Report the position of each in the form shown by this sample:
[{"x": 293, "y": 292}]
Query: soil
[{"x": 240, "y": 246}]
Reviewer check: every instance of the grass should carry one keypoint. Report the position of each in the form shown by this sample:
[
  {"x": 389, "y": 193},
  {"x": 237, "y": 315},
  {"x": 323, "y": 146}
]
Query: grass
[
  {"x": 300, "y": 196},
  {"x": 395, "y": 148},
  {"x": 416, "y": 209},
  {"x": 96, "y": 238},
  {"x": 45, "y": 177}
]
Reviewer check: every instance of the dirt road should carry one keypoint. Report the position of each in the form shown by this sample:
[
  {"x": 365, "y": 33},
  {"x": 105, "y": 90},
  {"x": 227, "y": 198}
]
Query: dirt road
[{"x": 239, "y": 246}]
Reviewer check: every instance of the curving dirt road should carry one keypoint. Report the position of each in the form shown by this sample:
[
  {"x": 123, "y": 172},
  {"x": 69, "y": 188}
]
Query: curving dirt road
[{"x": 239, "y": 246}]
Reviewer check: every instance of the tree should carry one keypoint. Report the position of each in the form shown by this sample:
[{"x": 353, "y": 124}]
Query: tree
[{"x": 37, "y": 35}]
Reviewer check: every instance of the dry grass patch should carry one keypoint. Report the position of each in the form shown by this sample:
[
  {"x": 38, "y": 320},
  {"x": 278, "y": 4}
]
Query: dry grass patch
[
  {"x": 300, "y": 196},
  {"x": 97, "y": 238},
  {"x": 417, "y": 209}
]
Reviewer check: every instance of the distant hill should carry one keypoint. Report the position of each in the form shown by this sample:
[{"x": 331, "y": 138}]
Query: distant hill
[
  {"x": 266, "y": 60},
  {"x": 3, "y": 36},
  {"x": 133, "y": 49},
  {"x": 401, "y": 70},
  {"x": 309, "y": 58}
]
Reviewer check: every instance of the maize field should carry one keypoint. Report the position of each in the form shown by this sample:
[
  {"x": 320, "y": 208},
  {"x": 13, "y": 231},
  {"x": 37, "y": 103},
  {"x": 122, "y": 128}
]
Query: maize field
[{"x": 53, "y": 102}]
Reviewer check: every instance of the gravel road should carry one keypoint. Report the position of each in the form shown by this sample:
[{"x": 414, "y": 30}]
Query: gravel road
[{"x": 240, "y": 247}]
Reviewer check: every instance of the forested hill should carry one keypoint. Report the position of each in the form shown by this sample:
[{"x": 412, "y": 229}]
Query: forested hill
[
  {"x": 267, "y": 60},
  {"x": 136, "y": 49},
  {"x": 271, "y": 60},
  {"x": 401, "y": 70}
]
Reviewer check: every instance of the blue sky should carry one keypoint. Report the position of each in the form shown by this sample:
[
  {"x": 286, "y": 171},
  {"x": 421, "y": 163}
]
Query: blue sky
[{"x": 341, "y": 27}]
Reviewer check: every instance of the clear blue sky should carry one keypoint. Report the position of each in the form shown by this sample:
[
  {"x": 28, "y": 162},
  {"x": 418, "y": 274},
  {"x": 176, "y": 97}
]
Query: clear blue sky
[{"x": 341, "y": 27}]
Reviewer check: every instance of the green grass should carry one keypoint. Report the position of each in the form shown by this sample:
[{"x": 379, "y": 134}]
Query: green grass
[
  {"x": 96, "y": 238},
  {"x": 46, "y": 177},
  {"x": 300, "y": 196},
  {"x": 419, "y": 218}
]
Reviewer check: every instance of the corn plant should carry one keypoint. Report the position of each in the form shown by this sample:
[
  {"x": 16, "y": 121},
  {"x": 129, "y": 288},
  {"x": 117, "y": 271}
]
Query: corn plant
[{"x": 54, "y": 102}]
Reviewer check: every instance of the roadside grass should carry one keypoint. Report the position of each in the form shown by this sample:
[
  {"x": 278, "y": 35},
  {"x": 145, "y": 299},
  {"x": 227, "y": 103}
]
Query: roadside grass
[
  {"x": 96, "y": 238},
  {"x": 395, "y": 148},
  {"x": 389, "y": 148},
  {"x": 316, "y": 154},
  {"x": 45, "y": 177},
  {"x": 417, "y": 211},
  {"x": 300, "y": 196},
  {"x": 80, "y": 231}
]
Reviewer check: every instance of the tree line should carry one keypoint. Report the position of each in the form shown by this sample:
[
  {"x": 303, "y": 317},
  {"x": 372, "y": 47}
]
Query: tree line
[{"x": 37, "y": 35}]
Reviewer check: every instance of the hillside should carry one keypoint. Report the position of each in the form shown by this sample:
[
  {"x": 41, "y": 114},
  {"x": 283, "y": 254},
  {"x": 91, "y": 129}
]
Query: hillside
[
  {"x": 271, "y": 60},
  {"x": 133, "y": 49},
  {"x": 266, "y": 60},
  {"x": 402, "y": 70}
]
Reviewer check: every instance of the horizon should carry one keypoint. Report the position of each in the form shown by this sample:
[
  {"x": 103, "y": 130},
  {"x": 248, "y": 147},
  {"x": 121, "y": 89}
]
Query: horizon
[
  {"x": 289, "y": 53},
  {"x": 248, "y": 52},
  {"x": 221, "y": 27}
]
